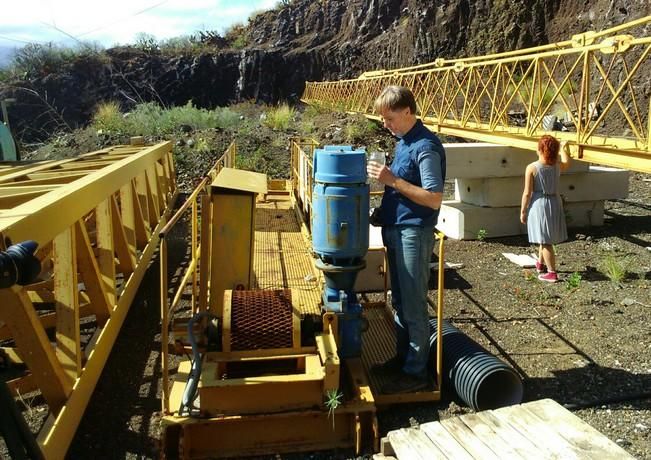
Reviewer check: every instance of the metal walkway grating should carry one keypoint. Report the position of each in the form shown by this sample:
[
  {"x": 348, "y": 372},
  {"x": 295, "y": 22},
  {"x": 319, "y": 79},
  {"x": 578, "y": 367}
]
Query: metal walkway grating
[{"x": 281, "y": 253}]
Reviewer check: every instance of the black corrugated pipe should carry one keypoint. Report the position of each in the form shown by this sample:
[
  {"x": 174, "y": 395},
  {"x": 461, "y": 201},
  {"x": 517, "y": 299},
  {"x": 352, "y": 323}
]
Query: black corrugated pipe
[{"x": 480, "y": 379}]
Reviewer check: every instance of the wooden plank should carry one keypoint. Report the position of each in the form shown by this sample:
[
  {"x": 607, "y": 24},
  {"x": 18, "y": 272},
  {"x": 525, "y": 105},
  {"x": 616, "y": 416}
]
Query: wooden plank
[
  {"x": 408, "y": 446},
  {"x": 152, "y": 184},
  {"x": 586, "y": 440},
  {"x": 106, "y": 253},
  {"x": 77, "y": 198},
  {"x": 68, "y": 349},
  {"x": 445, "y": 441},
  {"x": 142, "y": 232},
  {"x": 523, "y": 446},
  {"x": 91, "y": 275},
  {"x": 486, "y": 432},
  {"x": 537, "y": 431},
  {"x": 33, "y": 344},
  {"x": 141, "y": 191},
  {"x": 128, "y": 214},
  {"x": 10, "y": 201},
  {"x": 475, "y": 446},
  {"x": 126, "y": 258},
  {"x": 48, "y": 320}
]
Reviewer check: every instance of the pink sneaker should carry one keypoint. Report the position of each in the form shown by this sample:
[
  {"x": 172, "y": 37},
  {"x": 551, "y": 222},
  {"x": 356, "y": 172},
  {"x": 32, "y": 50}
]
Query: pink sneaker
[
  {"x": 550, "y": 277},
  {"x": 541, "y": 267}
]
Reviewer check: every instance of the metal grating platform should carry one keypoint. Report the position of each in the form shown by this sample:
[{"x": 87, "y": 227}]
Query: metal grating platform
[
  {"x": 378, "y": 345},
  {"x": 281, "y": 253},
  {"x": 261, "y": 320}
]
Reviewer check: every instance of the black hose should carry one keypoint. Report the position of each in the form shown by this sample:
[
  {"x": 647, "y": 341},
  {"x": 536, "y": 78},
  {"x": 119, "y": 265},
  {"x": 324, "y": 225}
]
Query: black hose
[
  {"x": 480, "y": 379},
  {"x": 190, "y": 392}
]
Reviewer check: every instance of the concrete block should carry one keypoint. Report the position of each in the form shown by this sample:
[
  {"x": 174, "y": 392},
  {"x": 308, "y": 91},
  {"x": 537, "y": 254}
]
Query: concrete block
[
  {"x": 371, "y": 279},
  {"x": 480, "y": 160},
  {"x": 598, "y": 183},
  {"x": 463, "y": 221}
]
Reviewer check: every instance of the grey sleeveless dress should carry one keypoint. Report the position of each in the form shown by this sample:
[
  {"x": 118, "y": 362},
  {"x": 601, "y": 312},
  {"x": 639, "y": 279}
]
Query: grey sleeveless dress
[{"x": 545, "y": 219}]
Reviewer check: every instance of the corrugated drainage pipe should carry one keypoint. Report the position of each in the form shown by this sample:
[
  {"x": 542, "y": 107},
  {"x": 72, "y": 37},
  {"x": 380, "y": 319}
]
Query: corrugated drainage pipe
[{"x": 480, "y": 379}]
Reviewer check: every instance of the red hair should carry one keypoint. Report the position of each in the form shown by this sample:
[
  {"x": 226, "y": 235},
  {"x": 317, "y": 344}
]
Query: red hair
[{"x": 548, "y": 146}]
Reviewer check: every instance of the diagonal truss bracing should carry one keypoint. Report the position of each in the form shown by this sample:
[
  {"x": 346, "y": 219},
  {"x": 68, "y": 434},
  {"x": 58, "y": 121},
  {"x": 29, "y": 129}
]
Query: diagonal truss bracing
[
  {"x": 591, "y": 91},
  {"x": 96, "y": 219}
]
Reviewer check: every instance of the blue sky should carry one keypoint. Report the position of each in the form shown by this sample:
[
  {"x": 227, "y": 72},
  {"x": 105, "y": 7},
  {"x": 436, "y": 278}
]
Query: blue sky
[{"x": 117, "y": 21}]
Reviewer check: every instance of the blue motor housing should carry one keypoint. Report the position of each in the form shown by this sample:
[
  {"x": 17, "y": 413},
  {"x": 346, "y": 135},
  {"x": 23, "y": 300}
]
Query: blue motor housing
[{"x": 340, "y": 205}]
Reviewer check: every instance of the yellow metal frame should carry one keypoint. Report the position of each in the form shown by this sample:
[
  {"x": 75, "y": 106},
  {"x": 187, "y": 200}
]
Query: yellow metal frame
[
  {"x": 233, "y": 410},
  {"x": 479, "y": 97},
  {"x": 96, "y": 219}
]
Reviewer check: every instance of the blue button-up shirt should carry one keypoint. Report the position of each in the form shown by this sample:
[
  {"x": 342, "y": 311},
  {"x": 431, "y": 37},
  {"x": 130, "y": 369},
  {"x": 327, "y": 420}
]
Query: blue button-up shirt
[{"x": 420, "y": 160}]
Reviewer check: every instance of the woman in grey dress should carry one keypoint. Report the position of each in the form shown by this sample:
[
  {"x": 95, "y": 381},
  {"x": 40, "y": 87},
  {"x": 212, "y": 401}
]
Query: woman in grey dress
[{"x": 542, "y": 208}]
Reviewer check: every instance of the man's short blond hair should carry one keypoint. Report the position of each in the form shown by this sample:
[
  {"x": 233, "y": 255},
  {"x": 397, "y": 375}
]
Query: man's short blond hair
[{"x": 395, "y": 98}]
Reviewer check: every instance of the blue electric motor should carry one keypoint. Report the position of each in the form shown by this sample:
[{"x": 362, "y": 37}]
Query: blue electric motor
[{"x": 340, "y": 208}]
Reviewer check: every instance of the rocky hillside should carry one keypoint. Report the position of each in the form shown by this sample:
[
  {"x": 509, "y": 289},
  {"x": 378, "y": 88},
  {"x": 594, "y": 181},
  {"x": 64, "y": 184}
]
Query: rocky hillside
[{"x": 297, "y": 41}]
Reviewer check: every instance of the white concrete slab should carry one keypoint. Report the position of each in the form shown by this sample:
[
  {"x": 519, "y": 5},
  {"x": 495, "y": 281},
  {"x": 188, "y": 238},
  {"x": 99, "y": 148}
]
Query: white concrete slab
[
  {"x": 480, "y": 160},
  {"x": 599, "y": 183},
  {"x": 463, "y": 221}
]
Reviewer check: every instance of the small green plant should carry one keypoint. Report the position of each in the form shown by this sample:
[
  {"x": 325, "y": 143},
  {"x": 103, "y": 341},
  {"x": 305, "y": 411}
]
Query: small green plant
[
  {"x": 333, "y": 401},
  {"x": 573, "y": 281},
  {"x": 529, "y": 275},
  {"x": 482, "y": 234},
  {"x": 280, "y": 117},
  {"x": 109, "y": 118},
  {"x": 615, "y": 269}
]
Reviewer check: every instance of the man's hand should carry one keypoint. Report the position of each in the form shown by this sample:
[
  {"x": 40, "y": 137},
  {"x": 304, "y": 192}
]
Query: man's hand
[{"x": 381, "y": 173}]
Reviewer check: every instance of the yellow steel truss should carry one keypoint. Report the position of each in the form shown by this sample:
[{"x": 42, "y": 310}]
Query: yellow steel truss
[
  {"x": 96, "y": 219},
  {"x": 595, "y": 82}
]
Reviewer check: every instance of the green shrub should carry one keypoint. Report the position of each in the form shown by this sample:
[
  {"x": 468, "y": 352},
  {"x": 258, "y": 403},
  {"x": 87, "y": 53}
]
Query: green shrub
[
  {"x": 35, "y": 59},
  {"x": 360, "y": 129},
  {"x": 150, "y": 119},
  {"x": 280, "y": 117},
  {"x": 109, "y": 118}
]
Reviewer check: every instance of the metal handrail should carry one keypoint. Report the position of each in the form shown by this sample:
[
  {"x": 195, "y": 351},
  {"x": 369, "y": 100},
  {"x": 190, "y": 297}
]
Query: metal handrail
[
  {"x": 199, "y": 236},
  {"x": 513, "y": 98}
]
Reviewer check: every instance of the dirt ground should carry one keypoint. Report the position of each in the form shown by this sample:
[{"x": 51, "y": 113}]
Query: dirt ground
[{"x": 584, "y": 342}]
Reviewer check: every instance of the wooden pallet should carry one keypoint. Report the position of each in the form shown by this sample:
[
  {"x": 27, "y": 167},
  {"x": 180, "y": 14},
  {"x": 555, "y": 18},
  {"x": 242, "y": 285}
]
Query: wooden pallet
[{"x": 538, "y": 429}]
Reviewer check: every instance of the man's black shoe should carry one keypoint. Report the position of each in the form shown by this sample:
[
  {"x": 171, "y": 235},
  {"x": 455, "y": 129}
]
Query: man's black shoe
[
  {"x": 390, "y": 367},
  {"x": 405, "y": 383}
]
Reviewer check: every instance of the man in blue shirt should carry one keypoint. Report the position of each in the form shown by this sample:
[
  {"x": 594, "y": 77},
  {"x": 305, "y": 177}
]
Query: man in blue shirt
[{"x": 410, "y": 206}]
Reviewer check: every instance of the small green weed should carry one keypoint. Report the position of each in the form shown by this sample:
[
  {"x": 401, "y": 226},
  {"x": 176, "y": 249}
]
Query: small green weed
[
  {"x": 482, "y": 234},
  {"x": 333, "y": 401},
  {"x": 529, "y": 275},
  {"x": 615, "y": 269},
  {"x": 573, "y": 281},
  {"x": 280, "y": 117}
]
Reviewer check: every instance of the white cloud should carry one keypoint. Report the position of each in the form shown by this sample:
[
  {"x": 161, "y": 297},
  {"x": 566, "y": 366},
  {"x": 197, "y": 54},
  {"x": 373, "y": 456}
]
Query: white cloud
[{"x": 119, "y": 21}]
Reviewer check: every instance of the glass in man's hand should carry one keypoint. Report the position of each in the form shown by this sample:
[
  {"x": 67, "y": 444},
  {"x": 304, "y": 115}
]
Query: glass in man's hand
[{"x": 379, "y": 158}]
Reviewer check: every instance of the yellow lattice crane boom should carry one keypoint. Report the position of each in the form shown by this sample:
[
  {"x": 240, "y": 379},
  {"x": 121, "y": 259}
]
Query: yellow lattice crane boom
[{"x": 591, "y": 91}]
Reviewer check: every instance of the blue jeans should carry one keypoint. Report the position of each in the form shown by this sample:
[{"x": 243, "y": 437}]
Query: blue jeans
[{"x": 409, "y": 250}]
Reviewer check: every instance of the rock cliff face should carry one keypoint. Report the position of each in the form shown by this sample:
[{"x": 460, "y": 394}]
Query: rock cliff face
[{"x": 307, "y": 40}]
